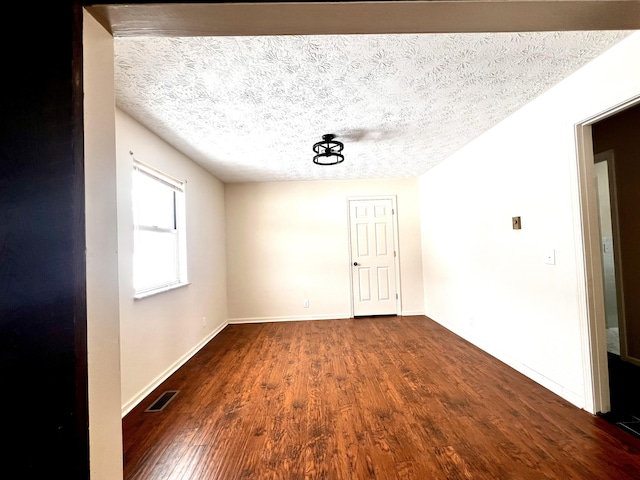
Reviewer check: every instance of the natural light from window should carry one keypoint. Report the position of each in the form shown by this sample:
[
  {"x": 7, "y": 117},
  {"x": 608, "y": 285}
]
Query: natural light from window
[{"x": 159, "y": 246}]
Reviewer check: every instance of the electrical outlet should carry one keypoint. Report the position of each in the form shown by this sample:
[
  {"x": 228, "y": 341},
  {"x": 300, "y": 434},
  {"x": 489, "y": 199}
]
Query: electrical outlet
[
  {"x": 204, "y": 322},
  {"x": 306, "y": 303}
]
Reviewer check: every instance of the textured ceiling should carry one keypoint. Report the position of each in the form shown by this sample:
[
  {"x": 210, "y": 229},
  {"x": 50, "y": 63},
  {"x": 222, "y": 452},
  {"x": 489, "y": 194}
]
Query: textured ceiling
[{"x": 251, "y": 108}]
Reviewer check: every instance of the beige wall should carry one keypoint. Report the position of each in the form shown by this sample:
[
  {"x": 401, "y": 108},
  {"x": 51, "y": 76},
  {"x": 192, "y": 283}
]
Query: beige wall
[
  {"x": 160, "y": 332},
  {"x": 288, "y": 241},
  {"x": 103, "y": 327},
  {"x": 490, "y": 283}
]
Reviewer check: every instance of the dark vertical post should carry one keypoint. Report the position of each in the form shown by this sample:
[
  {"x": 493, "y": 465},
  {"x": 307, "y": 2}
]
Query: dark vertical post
[{"x": 43, "y": 362}]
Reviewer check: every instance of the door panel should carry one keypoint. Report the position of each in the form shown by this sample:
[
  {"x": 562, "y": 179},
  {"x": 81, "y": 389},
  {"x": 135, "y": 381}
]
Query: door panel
[
  {"x": 381, "y": 239},
  {"x": 384, "y": 286},
  {"x": 364, "y": 284},
  {"x": 362, "y": 235},
  {"x": 373, "y": 257}
]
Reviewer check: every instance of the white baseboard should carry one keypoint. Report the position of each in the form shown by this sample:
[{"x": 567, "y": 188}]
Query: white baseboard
[
  {"x": 570, "y": 396},
  {"x": 127, "y": 407},
  {"x": 335, "y": 316}
]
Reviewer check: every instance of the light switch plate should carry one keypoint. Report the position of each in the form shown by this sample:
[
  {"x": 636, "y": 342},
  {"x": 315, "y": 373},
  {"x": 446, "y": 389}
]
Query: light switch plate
[{"x": 551, "y": 257}]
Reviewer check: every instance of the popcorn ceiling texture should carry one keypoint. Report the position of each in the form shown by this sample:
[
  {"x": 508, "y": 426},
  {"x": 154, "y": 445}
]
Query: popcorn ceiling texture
[{"x": 250, "y": 108}]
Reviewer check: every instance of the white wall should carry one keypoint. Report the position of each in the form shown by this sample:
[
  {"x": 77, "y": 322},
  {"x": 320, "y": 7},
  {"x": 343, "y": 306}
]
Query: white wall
[
  {"x": 490, "y": 283},
  {"x": 103, "y": 327},
  {"x": 159, "y": 333},
  {"x": 288, "y": 241}
]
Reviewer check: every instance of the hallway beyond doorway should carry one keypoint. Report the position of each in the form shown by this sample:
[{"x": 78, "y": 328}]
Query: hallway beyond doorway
[{"x": 624, "y": 384}]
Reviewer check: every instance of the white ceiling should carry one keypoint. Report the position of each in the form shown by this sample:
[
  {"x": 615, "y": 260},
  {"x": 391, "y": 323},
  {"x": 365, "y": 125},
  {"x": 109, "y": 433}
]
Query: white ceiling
[{"x": 250, "y": 108}]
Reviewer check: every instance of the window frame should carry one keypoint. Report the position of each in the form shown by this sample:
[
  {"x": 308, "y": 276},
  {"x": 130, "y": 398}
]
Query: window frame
[{"x": 178, "y": 188}]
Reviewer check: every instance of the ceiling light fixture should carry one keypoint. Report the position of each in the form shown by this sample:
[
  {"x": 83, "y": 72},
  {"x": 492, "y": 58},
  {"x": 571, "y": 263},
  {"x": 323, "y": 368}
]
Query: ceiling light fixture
[{"x": 328, "y": 151}]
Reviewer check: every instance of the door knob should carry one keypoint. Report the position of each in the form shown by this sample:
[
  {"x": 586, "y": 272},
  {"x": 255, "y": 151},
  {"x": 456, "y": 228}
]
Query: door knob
[{"x": 355, "y": 264}]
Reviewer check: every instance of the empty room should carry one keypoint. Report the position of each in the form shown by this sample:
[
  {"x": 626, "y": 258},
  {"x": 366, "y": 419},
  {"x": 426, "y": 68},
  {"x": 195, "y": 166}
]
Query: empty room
[{"x": 353, "y": 240}]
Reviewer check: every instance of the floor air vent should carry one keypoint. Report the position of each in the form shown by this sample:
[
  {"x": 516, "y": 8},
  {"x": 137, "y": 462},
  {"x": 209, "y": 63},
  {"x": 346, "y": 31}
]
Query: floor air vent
[{"x": 162, "y": 401}]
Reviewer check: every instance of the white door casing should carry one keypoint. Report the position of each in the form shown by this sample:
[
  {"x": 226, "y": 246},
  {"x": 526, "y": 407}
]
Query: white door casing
[
  {"x": 374, "y": 279},
  {"x": 590, "y": 276}
]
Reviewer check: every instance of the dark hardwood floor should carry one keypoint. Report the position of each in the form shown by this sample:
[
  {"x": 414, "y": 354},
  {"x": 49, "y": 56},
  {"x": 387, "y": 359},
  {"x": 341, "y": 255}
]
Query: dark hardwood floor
[{"x": 373, "y": 398}]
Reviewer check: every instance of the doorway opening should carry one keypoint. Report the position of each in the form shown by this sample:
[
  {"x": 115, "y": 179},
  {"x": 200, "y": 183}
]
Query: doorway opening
[
  {"x": 610, "y": 190},
  {"x": 608, "y": 222},
  {"x": 616, "y": 163}
]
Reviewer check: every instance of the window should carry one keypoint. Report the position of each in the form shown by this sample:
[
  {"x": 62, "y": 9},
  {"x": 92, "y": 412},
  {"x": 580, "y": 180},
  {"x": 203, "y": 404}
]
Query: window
[{"x": 159, "y": 253}]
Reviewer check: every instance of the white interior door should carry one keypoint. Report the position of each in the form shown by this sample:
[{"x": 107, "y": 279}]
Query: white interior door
[{"x": 373, "y": 257}]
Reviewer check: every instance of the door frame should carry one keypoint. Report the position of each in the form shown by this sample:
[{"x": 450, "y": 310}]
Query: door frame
[
  {"x": 593, "y": 327},
  {"x": 609, "y": 157},
  {"x": 396, "y": 247}
]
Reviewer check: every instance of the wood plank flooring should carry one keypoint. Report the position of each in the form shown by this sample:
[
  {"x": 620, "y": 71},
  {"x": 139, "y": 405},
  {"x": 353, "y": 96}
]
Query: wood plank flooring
[{"x": 373, "y": 398}]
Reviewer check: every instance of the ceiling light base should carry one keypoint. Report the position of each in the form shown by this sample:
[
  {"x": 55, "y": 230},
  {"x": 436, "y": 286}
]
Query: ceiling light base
[{"x": 328, "y": 151}]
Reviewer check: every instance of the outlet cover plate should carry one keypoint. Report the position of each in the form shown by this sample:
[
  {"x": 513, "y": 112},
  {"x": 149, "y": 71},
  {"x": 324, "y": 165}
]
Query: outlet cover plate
[{"x": 516, "y": 223}]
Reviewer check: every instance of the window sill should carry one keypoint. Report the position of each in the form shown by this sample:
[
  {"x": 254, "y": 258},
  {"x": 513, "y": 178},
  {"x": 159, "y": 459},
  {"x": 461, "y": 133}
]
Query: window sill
[{"x": 151, "y": 293}]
